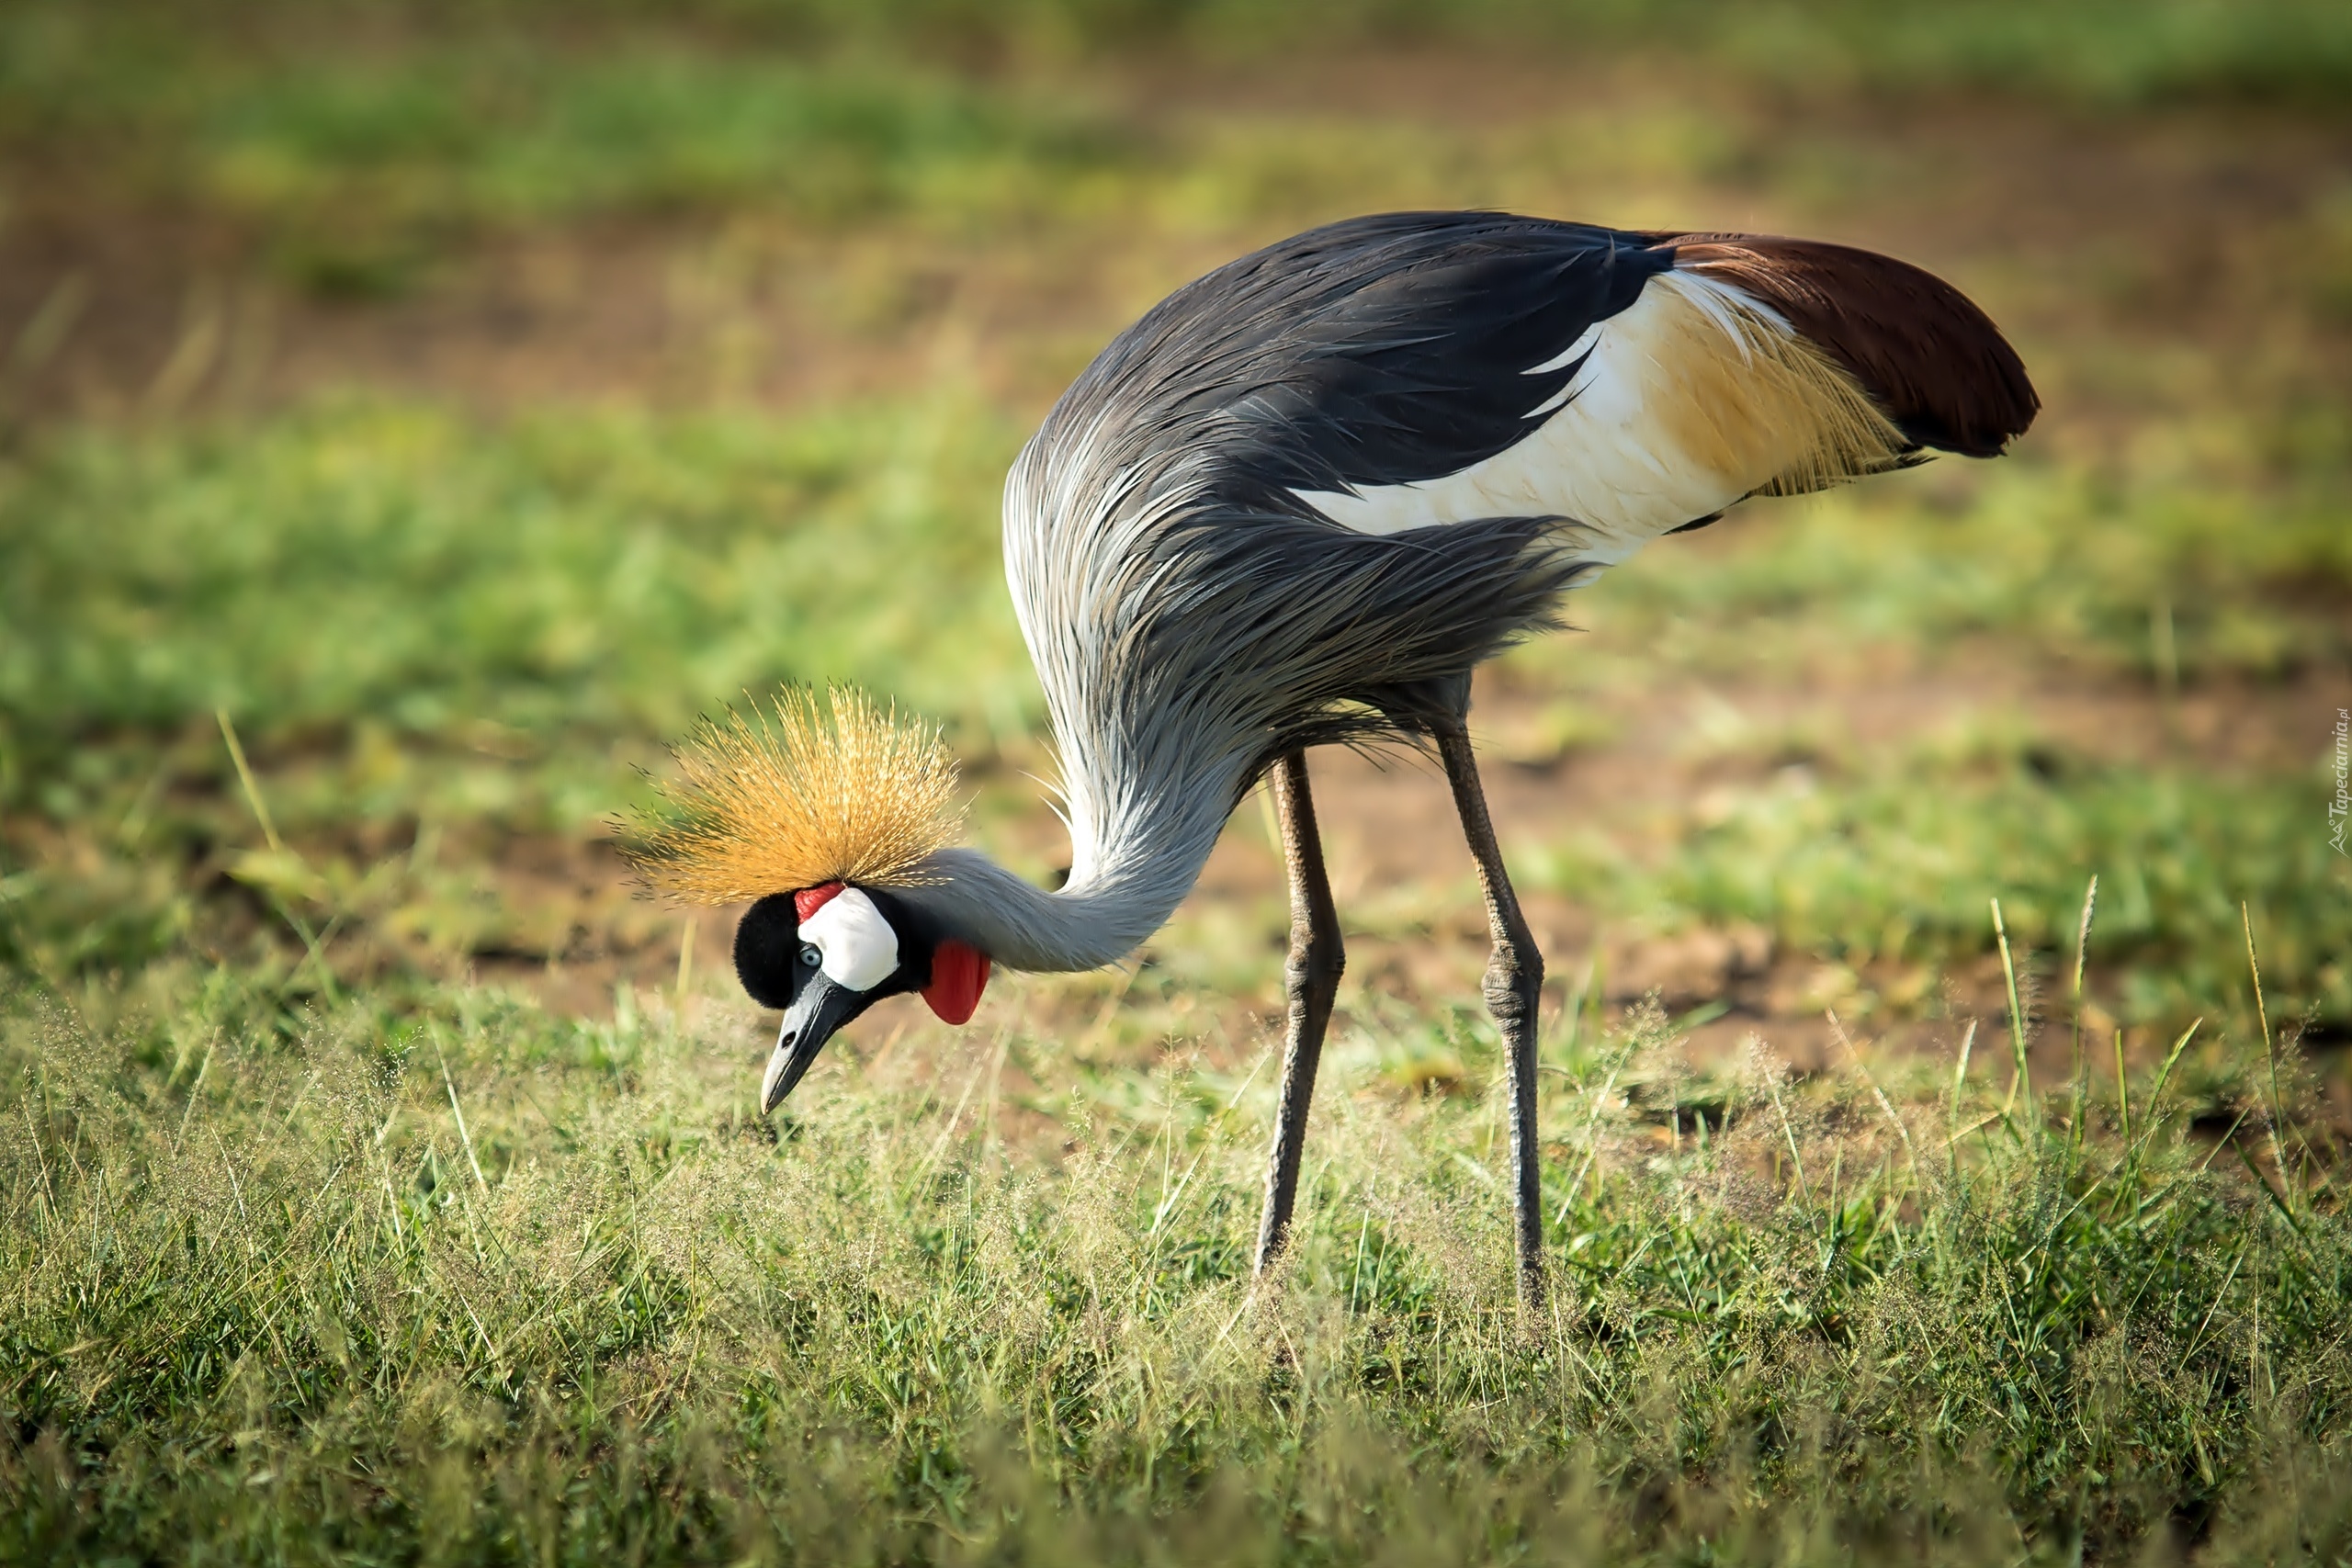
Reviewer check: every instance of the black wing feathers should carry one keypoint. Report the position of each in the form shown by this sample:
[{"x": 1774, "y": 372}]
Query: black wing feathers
[
  {"x": 1377, "y": 351},
  {"x": 1397, "y": 348}
]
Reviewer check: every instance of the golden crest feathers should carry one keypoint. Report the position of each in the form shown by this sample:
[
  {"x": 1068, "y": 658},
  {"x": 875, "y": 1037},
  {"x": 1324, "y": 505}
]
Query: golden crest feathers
[{"x": 839, "y": 791}]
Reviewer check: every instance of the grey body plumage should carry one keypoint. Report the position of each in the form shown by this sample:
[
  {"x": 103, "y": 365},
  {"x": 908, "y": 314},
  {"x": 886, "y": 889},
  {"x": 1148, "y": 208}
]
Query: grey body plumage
[
  {"x": 1302, "y": 498},
  {"x": 1191, "y": 620}
]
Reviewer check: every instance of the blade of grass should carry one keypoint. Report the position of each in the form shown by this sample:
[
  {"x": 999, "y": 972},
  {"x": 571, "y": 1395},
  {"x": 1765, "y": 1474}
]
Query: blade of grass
[
  {"x": 2122, "y": 1091},
  {"x": 2197, "y": 1341},
  {"x": 464, "y": 1138},
  {"x": 245, "y": 776},
  {"x": 2267, "y": 1190},
  {"x": 2156, "y": 1093},
  {"x": 1208, "y": 1141},
  {"x": 2081, "y": 1070},
  {"x": 2171, "y": 1057},
  {"x": 1592, "y": 1131},
  {"x": 277, "y": 846},
  {"x": 2269, "y": 1045},
  {"x": 1788, "y": 1132},
  {"x": 1960, "y": 1082},
  {"x": 1838, "y": 1028},
  {"x": 2022, "y": 1083}
]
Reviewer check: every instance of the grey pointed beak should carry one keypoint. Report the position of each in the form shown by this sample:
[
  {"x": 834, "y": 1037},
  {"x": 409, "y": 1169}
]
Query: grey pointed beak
[{"x": 821, "y": 1007}]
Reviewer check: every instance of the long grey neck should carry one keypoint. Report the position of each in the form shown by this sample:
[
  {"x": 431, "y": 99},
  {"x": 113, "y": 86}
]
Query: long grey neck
[{"x": 1133, "y": 860}]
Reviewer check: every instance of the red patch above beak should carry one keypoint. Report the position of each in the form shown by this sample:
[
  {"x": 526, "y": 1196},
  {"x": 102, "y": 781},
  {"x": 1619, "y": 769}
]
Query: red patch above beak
[
  {"x": 959, "y": 972},
  {"x": 809, "y": 900}
]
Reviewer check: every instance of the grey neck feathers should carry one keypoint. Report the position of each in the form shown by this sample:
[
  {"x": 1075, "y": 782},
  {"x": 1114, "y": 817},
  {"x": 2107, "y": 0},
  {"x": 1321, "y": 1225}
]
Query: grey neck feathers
[
  {"x": 1132, "y": 865},
  {"x": 1156, "y": 743}
]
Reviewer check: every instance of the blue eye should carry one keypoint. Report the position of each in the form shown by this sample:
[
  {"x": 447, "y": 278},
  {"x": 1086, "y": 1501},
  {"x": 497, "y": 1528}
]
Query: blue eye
[{"x": 810, "y": 955}]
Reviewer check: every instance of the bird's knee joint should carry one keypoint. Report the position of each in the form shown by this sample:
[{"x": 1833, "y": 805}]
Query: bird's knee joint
[
  {"x": 1516, "y": 968},
  {"x": 1514, "y": 981},
  {"x": 1510, "y": 1006},
  {"x": 1317, "y": 962}
]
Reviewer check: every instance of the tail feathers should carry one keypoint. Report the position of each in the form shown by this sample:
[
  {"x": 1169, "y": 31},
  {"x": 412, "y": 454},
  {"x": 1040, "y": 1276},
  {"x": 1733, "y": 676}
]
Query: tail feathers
[
  {"x": 1753, "y": 402},
  {"x": 1934, "y": 363}
]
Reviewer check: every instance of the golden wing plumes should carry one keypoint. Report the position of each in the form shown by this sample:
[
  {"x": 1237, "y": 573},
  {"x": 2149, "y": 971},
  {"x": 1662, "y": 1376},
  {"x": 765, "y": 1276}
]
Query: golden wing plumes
[{"x": 840, "y": 791}]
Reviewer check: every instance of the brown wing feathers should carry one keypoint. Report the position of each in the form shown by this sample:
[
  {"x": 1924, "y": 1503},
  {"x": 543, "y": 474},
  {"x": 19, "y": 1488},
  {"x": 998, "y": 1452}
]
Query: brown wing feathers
[{"x": 1936, "y": 364}]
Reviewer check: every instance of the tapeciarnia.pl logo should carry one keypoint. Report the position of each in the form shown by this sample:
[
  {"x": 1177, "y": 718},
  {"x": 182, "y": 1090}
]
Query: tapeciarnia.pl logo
[{"x": 2339, "y": 810}]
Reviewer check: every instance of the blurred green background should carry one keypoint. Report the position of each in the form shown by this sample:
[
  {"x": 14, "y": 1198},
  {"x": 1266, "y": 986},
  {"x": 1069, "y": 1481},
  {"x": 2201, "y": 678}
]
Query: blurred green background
[
  {"x": 412, "y": 414},
  {"x": 462, "y": 397}
]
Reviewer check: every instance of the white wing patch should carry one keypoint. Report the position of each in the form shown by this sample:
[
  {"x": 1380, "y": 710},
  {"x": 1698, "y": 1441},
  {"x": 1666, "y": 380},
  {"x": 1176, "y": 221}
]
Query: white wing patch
[
  {"x": 1691, "y": 398},
  {"x": 1568, "y": 356},
  {"x": 860, "y": 949}
]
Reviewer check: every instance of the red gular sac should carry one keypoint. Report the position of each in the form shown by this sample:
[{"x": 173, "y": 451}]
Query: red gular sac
[{"x": 959, "y": 972}]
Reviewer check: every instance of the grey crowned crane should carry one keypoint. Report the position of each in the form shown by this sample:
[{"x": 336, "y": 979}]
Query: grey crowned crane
[{"x": 1295, "y": 505}]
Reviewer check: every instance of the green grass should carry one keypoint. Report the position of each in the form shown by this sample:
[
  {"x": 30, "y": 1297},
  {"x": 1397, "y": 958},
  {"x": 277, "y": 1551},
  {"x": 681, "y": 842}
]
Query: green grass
[
  {"x": 984, "y": 1298},
  {"x": 362, "y": 169},
  {"x": 2105, "y": 53},
  {"x": 2070, "y": 563},
  {"x": 271, "y": 1300},
  {"x": 415, "y": 619},
  {"x": 366, "y": 145},
  {"x": 576, "y": 574},
  {"x": 265, "y": 1307},
  {"x": 1899, "y": 868},
  {"x": 418, "y": 628}
]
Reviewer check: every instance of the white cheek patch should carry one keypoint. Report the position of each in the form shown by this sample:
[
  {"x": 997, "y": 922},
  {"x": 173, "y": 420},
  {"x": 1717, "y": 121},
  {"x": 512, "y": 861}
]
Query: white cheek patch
[{"x": 860, "y": 949}]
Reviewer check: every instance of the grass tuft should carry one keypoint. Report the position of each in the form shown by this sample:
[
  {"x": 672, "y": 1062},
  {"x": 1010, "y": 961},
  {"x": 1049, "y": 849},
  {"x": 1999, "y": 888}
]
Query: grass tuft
[{"x": 482, "y": 1282}]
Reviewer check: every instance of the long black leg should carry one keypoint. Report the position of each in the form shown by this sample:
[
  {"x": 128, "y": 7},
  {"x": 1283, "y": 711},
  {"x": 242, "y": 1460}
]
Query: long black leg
[
  {"x": 1514, "y": 990},
  {"x": 1317, "y": 959}
]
